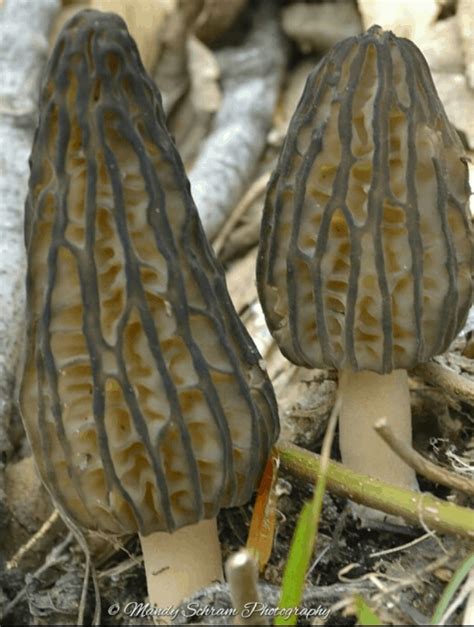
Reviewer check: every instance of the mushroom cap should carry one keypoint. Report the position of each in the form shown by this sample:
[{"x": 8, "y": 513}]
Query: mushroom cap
[
  {"x": 143, "y": 395},
  {"x": 366, "y": 252}
]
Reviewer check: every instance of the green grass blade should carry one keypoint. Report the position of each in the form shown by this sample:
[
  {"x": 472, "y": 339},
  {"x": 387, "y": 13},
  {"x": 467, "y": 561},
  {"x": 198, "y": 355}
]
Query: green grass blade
[
  {"x": 453, "y": 586},
  {"x": 301, "y": 549},
  {"x": 304, "y": 538},
  {"x": 365, "y": 616},
  {"x": 297, "y": 565}
]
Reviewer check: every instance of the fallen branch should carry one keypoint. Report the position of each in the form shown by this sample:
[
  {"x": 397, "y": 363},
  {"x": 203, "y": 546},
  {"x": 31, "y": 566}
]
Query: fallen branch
[
  {"x": 420, "y": 464},
  {"x": 250, "y": 77},
  {"x": 417, "y": 508},
  {"x": 458, "y": 387}
]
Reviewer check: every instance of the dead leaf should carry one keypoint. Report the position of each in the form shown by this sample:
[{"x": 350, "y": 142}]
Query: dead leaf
[{"x": 263, "y": 523}]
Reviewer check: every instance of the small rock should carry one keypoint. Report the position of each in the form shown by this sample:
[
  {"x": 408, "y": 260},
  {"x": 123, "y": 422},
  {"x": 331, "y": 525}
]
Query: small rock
[
  {"x": 317, "y": 27},
  {"x": 443, "y": 574}
]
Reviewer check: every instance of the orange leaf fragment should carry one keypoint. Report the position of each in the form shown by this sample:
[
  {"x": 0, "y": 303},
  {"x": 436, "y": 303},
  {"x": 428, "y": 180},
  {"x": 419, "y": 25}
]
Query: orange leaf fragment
[{"x": 262, "y": 525}]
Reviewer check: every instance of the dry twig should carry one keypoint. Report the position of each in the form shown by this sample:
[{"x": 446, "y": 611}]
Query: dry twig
[
  {"x": 121, "y": 568},
  {"x": 42, "y": 531},
  {"x": 423, "y": 466},
  {"x": 456, "y": 386},
  {"x": 403, "y": 547}
]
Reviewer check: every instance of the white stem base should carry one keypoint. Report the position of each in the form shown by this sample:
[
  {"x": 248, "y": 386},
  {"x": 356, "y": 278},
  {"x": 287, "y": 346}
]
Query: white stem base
[
  {"x": 241, "y": 571},
  {"x": 366, "y": 397},
  {"x": 179, "y": 564}
]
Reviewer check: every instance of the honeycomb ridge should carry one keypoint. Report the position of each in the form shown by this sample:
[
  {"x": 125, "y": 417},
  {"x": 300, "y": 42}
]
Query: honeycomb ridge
[
  {"x": 366, "y": 253},
  {"x": 143, "y": 395}
]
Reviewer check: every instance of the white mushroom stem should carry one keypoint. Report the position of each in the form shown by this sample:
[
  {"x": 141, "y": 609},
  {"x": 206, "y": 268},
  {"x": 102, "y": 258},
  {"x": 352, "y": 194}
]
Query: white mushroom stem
[
  {"x": 179, "y": 564},
  {"x": 365, "y": 398},
  {"x": 242, "y": 576}
]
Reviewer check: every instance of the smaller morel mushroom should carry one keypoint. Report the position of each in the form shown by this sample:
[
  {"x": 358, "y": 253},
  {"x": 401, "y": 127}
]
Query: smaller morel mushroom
[
  {"x": 366, "y": 257},
  {"x": 142, "y": 394}
]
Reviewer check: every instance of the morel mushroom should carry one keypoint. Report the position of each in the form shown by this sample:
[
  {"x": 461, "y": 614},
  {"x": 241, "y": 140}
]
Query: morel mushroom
[
  {"x": 366, "y": 257},
  {"x": 142, "y": 394}
]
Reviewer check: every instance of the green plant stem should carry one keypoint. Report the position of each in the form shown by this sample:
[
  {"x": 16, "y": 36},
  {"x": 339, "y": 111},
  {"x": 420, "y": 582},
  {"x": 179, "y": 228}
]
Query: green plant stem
[{"x": 417, "y": 508}]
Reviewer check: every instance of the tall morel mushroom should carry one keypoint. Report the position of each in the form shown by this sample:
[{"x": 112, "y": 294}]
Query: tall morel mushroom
[
  {"x": 366, "y": 257},
  {"x": 143, "y": 396}
]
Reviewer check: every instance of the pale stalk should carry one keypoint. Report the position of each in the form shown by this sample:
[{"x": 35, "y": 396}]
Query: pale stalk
[
  {"x": 242, "y": 578},
  {"x": 179, "y": 564},
  {"x": 365, "y": 398}
]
